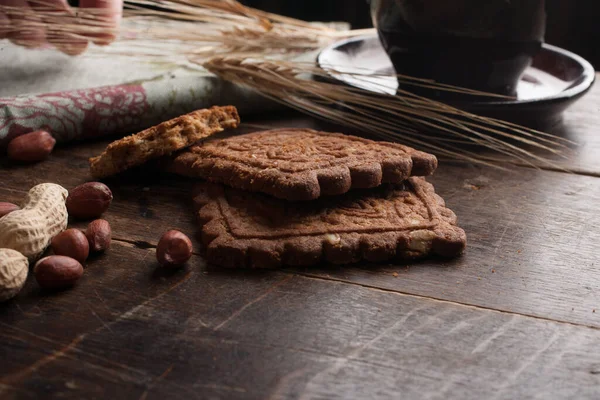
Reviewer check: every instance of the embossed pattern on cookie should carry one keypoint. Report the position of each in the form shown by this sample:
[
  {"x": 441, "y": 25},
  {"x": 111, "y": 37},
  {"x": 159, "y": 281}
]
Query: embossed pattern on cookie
[
  {"x": 302, "y": 164},
  {"x": 252, "y": 230}
]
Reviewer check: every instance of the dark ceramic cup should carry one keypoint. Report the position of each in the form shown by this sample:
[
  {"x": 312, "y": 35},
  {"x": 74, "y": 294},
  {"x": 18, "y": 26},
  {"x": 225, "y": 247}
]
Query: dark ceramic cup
[{"x": 478, "y": 44}]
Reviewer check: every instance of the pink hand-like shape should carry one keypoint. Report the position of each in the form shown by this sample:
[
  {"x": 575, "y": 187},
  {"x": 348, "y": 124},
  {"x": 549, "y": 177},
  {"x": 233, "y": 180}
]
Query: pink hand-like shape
[{"x": 25, "y": 24}]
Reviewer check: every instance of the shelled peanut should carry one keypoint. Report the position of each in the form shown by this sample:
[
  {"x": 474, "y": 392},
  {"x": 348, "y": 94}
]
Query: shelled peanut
[
  {"x": 89, "y": 201},
  {"x": 57, "y": 272},
  {"x": 71, "y": 243},
  {"x": 31, "y": 147},
  {"x": 98, "y": 234},
  {"x": 174, "y": 249},
  {"x": 26, "y": 233}
]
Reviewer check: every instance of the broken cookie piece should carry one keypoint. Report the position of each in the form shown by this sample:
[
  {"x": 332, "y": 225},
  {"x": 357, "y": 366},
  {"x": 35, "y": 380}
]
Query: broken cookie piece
[{"x": 163, "y": 139}]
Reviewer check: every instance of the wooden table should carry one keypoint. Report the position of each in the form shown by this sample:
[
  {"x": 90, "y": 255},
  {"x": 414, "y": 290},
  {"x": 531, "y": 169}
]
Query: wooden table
[{"x": 516, "y": 317}]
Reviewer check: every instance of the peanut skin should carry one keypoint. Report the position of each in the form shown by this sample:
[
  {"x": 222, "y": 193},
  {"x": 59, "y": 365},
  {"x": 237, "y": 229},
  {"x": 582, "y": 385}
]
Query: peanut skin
[
  {"x": 7, "y": 208},
  {"x": 57, "y": 272},
  {"x": 89, "y": 201},
  {"x": 99, "y": 235},
  {"x": 174, "y": 249},
  {"x": 71, "y": 243},
  {"x": 31, "y": 147}
]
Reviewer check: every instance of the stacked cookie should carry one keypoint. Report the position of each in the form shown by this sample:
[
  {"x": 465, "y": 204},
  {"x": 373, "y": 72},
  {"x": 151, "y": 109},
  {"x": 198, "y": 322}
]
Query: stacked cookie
[{"x": 299, "y": 197}]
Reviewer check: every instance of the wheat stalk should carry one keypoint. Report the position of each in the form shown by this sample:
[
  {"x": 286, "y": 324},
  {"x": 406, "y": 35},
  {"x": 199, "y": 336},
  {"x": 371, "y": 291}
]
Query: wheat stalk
[
  {"x": 258, "y": 49},
  {"x": 202, "y": 26},
  {"x": 403, "y": 117}
]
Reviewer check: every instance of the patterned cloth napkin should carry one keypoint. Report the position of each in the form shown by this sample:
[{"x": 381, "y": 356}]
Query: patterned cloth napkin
[
  {"x": 120, "y": 109},
  {"x": 105, "y": 93},
  {"x": 87, "y": 97}
]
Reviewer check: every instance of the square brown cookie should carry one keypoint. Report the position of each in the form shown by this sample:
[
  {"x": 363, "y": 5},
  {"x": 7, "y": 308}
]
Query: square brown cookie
[
  {"x": 162, "y": 139},
  {"x": 407, "y": 221},
  {"x": 301, "y": 164}
]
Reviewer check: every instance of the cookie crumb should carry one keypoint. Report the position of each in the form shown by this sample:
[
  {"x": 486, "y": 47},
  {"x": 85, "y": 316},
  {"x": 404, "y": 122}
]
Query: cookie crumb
[
  {"x": 70, "y": 385},
  {"x": 477, "y": 183}
]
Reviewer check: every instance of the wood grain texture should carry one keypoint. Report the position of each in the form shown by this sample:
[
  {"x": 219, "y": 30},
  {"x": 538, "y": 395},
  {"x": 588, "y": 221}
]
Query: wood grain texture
[
  {"x": 531, "y": 234},
  {"x": 40, "y": 329},
  {"x": 208, "y": 334},
  {"x": 514, "y": 318},
  {"x": 532, "y": 239}
]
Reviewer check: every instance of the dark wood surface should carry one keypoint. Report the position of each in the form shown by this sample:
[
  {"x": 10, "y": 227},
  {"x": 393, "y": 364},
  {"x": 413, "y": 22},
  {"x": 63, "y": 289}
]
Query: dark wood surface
[{"x": 518, "y": 316}]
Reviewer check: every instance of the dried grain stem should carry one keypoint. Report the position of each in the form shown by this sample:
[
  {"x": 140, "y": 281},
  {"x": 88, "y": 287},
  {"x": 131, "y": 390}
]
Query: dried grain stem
[{"x": 403, "y": 117}]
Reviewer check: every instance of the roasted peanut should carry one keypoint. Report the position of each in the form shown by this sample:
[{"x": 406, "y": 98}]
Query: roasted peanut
[
  {"x": 71, "y": 243},
  {"x": 30, "y": 230},
  {"x": 31, "y": 147},
  {"x": 57, "y": 272},
  {"x": 174, "y": 249},
  {"x": 7, "y": 208},
  {"x": 89, "y": 201},
  {"x": 13, "y": 273},
  {"x": 98, "y": 234}
]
